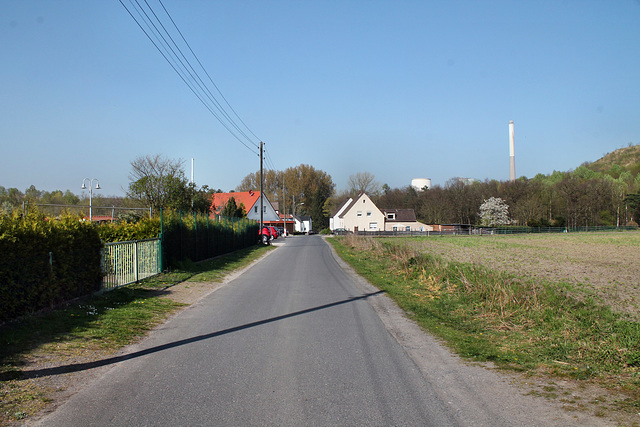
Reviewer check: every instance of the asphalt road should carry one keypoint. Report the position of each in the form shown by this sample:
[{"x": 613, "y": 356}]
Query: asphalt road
[{"x": 296, "y": 341}]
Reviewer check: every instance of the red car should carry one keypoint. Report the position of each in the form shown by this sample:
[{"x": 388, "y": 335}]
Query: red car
[
  {"x": 274, "y": 232},
  {"x": 265, "y": 235}
]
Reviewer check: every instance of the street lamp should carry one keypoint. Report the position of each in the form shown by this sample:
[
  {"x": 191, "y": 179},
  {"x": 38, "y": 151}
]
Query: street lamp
[{"x": 84, "y": 187}]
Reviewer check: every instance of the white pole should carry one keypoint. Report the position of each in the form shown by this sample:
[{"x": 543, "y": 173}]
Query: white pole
[
  {"x": 191, "y": 170},
  {"x": 512, "y": 155}
]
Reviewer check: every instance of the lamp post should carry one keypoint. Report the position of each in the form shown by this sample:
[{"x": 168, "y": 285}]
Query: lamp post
[{"x": 84, "y": 187}]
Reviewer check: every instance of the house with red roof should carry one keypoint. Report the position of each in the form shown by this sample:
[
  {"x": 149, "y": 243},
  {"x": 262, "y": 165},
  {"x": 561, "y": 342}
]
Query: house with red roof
[{"x": 251, "y": 202}]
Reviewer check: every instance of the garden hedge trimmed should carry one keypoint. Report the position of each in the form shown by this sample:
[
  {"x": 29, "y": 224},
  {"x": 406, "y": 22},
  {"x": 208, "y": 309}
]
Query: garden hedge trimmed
[{"x": 44, "y": 262}]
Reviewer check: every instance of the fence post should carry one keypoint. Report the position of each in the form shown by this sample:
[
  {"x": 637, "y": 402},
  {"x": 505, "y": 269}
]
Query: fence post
[
  {"x": 135, "y": 260},
  {"x": 195, "y": 225}
]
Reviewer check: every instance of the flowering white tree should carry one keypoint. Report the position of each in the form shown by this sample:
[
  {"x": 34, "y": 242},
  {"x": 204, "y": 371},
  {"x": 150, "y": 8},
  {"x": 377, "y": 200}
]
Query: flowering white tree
[{"x": 494, "y": 211}]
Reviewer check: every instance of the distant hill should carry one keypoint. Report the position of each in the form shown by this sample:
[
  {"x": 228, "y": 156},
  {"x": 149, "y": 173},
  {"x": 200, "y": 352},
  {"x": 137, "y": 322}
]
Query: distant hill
[{"x": 624, "y": 159}]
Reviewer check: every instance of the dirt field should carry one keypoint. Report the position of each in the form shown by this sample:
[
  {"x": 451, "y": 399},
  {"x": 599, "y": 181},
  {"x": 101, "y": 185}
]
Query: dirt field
[{"x": 605, "y": 265}]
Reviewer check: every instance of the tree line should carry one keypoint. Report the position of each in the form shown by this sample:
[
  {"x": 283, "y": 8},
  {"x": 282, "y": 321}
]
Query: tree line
[
  {"x": 583, "y": 197},
  {"x": 591, "y": 195}
]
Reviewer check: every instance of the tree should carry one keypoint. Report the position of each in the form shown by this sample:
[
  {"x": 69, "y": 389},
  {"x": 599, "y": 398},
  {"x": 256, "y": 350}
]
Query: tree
[
  {"x": 494, "y": 211},
  {"x": 32, "y": 194},
  {"x": 200, "y": 198},
  {"x": 161, "y": 183},
  {"x": 363, "y": 182},
  {"x": 231, "y": 209},
  {"x": 633, "y": 202}
]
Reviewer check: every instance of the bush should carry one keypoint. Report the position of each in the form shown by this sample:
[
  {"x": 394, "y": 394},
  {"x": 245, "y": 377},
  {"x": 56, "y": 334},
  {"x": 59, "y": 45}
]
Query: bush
[
  {"x": 44, "y": 262},
  {"x": 123, "y": 231}
]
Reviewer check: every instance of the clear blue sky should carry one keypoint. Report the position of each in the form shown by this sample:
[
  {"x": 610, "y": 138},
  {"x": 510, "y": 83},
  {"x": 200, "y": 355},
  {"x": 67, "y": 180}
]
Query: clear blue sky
[{"x": 400, "y": 89}]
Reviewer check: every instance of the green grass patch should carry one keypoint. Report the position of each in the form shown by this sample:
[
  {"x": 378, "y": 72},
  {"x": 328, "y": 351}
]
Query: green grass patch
[{"x": 486, "y": 315}]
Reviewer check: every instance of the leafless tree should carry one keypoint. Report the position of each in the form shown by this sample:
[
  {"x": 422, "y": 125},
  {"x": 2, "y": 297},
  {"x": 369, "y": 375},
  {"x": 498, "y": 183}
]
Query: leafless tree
[{"x": 363, "y": 182}]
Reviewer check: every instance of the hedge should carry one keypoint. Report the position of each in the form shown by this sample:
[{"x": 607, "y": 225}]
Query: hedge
[
  {"x": 197, "y": 237},
  {"x": 44, "y": 262}
]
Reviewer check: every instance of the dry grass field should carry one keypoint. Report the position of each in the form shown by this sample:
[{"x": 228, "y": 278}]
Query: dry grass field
[{"x": 605, "y": 265}]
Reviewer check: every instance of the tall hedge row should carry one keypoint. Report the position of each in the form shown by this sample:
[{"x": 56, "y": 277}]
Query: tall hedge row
[
  {"x": 46, "y": 262},
  {"x": 198, "y": 237}
]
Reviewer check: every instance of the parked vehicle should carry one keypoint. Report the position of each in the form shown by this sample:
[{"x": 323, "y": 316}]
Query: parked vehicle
[
  {"x": 265, "y": 235},
  {"x": 312, "y": 232},
  {"x": 274, "y": 232}
]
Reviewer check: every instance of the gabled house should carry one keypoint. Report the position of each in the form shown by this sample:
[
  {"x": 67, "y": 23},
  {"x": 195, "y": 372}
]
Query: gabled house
[
  {"x": 251, "y": 202},
  {"x": 361, "y": 214}
]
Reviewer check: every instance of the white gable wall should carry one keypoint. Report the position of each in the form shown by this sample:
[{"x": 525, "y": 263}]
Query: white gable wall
[
  {"x": 336, "y": 221},
  {"x": 363, "y": 215},
  {"x": 269, "y": 214}
]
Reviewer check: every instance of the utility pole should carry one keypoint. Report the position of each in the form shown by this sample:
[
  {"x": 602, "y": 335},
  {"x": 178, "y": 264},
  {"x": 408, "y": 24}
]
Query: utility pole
[{"x": 261, "y": 193}]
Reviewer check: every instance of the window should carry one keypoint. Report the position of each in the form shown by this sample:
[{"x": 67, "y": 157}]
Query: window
[
  {"x": 407, "y": 228},
  {"x": 391, "y": 216},
  {"x": 359, "y": 213},
  {"x": 373, "y": 226},
  {"x": 395, "y": 228},
  {"x": 368, "y": 213},
  {"x": 255, "y": 209}
]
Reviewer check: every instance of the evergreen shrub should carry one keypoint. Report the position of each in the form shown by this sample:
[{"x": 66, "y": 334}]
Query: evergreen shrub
[{"x": 44, "y": 262}]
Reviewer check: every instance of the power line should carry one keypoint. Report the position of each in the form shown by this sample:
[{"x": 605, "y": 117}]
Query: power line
[
  {"x": 205, "y": 71},
  {"x": 270, "y": 162},
  {"x": 186, "y": 71}
]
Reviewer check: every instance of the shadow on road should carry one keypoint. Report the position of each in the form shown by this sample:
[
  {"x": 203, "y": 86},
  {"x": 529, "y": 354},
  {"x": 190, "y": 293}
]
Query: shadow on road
[{"x": 111, "y": 360}]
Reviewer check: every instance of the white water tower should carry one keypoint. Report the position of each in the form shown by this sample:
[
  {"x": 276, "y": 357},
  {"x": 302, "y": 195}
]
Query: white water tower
[{"x": 420, "y": 183}]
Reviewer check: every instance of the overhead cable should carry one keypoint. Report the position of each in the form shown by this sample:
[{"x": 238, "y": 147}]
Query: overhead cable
[
  {"x": 205, "y": 71},
  {"x": 185, "y": 70}
]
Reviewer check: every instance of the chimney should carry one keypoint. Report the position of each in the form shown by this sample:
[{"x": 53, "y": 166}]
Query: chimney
[{"x": 512, "y": 155}]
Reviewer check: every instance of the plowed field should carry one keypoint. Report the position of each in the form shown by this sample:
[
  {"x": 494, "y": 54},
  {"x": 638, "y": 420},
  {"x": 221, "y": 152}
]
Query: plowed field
[{"x": 605, "y": 265}]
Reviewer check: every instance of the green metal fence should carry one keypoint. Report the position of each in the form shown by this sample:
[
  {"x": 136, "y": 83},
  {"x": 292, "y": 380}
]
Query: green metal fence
[{"x": 128, "y": 262}]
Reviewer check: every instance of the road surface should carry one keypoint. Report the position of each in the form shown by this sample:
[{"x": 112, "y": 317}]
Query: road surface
[{"x": 297, "y": 341}]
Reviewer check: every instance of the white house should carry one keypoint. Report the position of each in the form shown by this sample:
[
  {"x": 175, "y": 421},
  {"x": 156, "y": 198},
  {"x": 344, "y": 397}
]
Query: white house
[
  {"x": 361, "y": 214},
  {"x": 302, "y": 224},
  {"x": 335, "y": 221}
]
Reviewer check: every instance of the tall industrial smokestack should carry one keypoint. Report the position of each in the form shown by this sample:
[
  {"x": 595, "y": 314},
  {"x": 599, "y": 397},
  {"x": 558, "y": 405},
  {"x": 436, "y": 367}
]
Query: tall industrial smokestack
[{"x": 512, "y": 154}]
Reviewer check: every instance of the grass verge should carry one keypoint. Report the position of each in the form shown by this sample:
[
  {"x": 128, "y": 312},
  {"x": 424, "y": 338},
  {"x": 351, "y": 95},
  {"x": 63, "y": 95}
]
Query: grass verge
[
  {"x": 91, "y": 329},
  {"x": 518, "y": 323}
]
